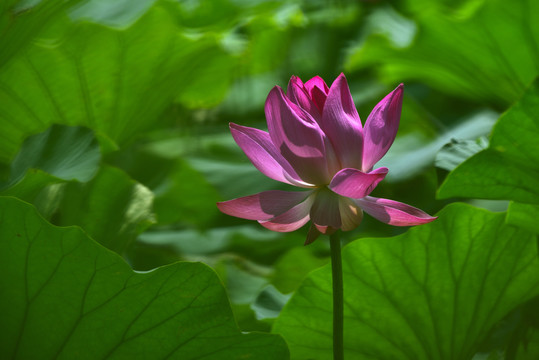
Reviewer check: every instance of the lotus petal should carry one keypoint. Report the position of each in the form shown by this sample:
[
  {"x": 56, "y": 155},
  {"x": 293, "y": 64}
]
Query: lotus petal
[
  {"x": 381, "y": 128},
  {"x": 264, "y": 205},
  {"x": 257, "y": 145},
  {"x": 393, "y": 212},
  {"x": 292, "y": 219},
  {"x": 341, "y": 123},
  {"x": 356, "y": 184},
  {"x": 318, "y": 90},
  {"x": 298, "y": 137},
  {"x": 315, "y": 140},
  {"x": 297, "y": 93}
]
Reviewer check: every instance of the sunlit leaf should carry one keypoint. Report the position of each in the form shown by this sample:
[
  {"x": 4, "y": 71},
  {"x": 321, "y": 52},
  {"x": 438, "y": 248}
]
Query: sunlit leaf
[
  {"x": 66, "y": 297},
  {"x": 119, "y": 13},
  {"x": 59, "y": 154},
  {"x": 431, "y": 293},
  {"x": 509, "y": 167},
  {"x": 524, "y": 216},
  {"x": 117, "y": 82},
  {"x": 23, "y": 20},
  {"x": 455, "y": 152},
  {"x": 412, "y": 153},
  {"x": 112, "y": 208},
  {"x": 213, "y": 14},
  {"x": 457, "y": 9},
  {"x": 485, "y": 52}
]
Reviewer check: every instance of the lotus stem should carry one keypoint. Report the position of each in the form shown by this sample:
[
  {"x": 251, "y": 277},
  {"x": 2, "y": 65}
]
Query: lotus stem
[{"x": 336, "y": 272}]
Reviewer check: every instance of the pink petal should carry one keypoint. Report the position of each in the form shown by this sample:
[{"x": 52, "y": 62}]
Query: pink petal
[
  {"x": 292, "y": 219},
  {"x": 319, "y": 99},
  {"x": 325, "y": 210},
  {"x": 316, "y": 82},
  {"x": 341, "y": 123},
  {"x": 324, "y": 229},
  {"x": 298, "y": 95},
  {"x": 264, "y": 205},
  {"x": 257, "y": 145},
  {"x": 298, "y": 137},
  {"x": 356, "y": 184},
  {"x": 318, "y": 91},
  {"x": 393, "y": 212},
  {"x": 381, "y": 128}
]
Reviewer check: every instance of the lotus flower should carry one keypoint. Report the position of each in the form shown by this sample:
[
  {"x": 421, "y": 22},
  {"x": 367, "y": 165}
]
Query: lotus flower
[{"x": 316, "y": 141}]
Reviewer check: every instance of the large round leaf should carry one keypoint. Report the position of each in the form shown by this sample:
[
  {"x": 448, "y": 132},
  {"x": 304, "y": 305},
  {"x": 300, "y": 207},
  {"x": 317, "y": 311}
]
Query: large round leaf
[
  {"x": 117, "y": 82},
  {"x": 487, "y": 52},
  {"x": 63, "y": 296},
  {"x": 509, "y": 168},
  {"x": 21, "y": 21},
  {"x": 431, "y": 293}
]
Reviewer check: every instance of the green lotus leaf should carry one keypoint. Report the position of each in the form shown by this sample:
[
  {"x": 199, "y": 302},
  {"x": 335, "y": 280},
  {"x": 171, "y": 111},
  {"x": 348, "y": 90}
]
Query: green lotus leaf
[
  {"x": 483, "y": 50},
  {"x": 433, "y": 292},
  {"x": 66, "y": 297},
  {"x": 59, "y": 154},
  {"x": 112, "y": 208},
  {"x": 22, "y": 20},
  {"x": 509, "y": 168},
  {"x": 116, "y": 82},
  {"x": 524, "y": 216}
]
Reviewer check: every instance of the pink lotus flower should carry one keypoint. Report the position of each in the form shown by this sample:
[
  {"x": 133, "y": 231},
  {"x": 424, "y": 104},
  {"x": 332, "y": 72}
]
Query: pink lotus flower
[{"x": 315, "y": 141}]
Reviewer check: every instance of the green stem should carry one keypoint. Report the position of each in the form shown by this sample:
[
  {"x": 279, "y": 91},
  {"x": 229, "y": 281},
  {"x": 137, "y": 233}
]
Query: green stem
[{"x": 336, "y": 272}]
